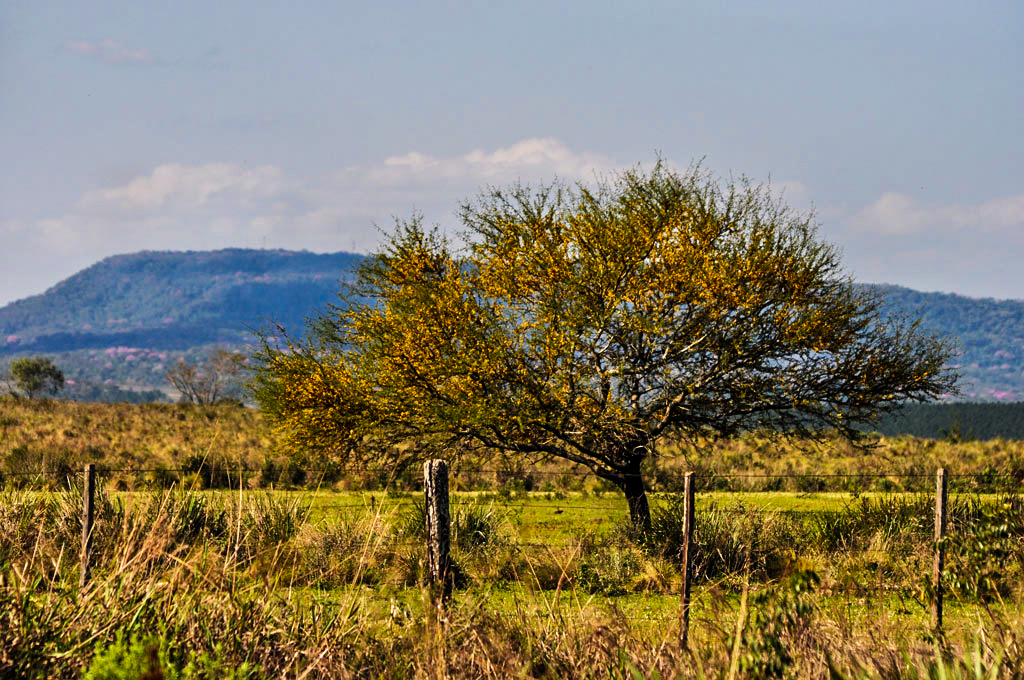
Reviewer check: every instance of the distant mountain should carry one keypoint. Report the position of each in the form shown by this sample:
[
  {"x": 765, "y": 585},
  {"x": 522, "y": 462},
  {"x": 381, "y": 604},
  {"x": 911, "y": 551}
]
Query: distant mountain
[
  {"x": 990, "y": 334},
  {"x": 120, "y": 323},
  {"x": 174, "y": 300}
]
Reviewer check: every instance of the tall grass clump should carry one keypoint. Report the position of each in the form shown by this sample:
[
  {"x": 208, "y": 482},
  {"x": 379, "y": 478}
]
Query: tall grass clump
[
  {"x": 727, "y": 540},
  {"x": 909, "y": 517}
]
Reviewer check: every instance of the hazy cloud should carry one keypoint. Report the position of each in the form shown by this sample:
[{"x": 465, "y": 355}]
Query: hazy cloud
[
  {"x": 539, "y": 159},
  {"x": 214, "y": 205},
  {"x": 966, "y": 248},
  {"x": 896, "y": 214},
  {"x": 108, "y": 50},
  {"x": 176, "y": 187}
]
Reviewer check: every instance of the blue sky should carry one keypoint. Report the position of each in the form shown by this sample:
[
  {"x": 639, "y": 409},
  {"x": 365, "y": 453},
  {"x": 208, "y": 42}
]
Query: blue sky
[{"x": 195, "y": 125}]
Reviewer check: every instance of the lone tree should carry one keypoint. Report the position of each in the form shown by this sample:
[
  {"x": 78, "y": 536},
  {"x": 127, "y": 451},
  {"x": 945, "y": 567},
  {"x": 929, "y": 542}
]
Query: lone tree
[
  {"x": 217, "y": 378},
  {"x": 590, "y": 323},
  {"x": 36, "y": 375}
]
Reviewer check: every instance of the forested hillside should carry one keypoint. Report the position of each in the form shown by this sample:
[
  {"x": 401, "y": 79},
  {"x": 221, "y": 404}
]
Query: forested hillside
[
  {"x": 174, "y": 300},
  {"x": 990, "y": 336},
  {"x": 115, "y": 327}
]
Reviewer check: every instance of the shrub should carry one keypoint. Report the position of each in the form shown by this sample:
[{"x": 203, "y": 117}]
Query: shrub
[{"x": 779, "y": 616}]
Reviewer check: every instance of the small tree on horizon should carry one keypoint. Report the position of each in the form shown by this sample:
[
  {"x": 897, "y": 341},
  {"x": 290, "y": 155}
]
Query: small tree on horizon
[
  {"x": 205, "y": 383},
  {"x": 589, "y": 324},
  {"x": 36, "y": 375}
]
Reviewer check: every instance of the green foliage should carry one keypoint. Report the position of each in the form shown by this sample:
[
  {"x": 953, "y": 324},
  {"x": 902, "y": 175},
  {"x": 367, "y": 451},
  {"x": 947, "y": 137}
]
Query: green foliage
[
  {"x": 137, "y": 657},
  {"x": 956, "y": 421},
  {"x": 726, "y": 540},
  {"x": 477, "y": 526},
  {"x": 35, "y": 376},
  {"x": 127, "y": 659},
  {"x": 347, "y": 551},
  {"x": 192, "y": 517},
  {"x": 778, "y": 616},
  {"x": 609, "y": 567},
  {"x": 264, "y": 522},
  {"x": 907, "y": 517},
  {"x": 985, "y": 555}
]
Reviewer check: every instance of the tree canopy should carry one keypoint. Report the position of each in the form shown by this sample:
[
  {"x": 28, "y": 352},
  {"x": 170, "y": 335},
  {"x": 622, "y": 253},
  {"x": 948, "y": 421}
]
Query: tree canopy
[
  {"x": 588, "y": 323},
  {"x": 36, "y": 375}
]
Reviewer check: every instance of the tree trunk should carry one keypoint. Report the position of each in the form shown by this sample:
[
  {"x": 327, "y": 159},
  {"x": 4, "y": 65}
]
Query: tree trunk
[{"x": 632, "y": 485}]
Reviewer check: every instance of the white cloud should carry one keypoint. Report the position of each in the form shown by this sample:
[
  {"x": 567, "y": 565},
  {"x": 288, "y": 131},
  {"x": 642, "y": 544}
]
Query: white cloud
[
  {"x": 530, "y": 160},
  {"x": 896, "y": 214},
  {"x": 972, "y": 249},
  {"x": 176, "y": 187},
  {"x": 108, "y": 50}
]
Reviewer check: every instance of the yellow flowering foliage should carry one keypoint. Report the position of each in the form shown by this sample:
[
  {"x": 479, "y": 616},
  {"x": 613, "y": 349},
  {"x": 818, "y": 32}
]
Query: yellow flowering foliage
[{"x": 586, "y": 323}]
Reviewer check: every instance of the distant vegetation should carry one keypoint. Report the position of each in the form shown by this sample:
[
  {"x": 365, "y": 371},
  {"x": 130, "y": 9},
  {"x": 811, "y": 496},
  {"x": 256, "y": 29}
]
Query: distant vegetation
[
  {"x": 215, "y": 441},
  {"x": 36, "y": 376},
  {"x": 956, "y": 421}
]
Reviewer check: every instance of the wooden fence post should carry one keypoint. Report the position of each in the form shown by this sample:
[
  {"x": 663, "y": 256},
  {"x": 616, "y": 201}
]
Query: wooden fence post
[
  {"x": 88, "y": 519},
  {"x": 438, "y": 517},
  {"x": 684, "y": 605},
  {"x": 941, "y": 496}
]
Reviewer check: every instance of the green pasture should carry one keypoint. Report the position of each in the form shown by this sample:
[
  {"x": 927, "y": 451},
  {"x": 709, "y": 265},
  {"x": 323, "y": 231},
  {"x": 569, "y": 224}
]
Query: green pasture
[{"x": 537, "y": 514}]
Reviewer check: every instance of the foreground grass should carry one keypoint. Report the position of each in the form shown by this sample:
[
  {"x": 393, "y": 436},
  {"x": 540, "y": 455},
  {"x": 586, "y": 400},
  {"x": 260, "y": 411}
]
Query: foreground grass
[
  {"x": 796, "y": 576},
  {"x": 254, "y": 584}
]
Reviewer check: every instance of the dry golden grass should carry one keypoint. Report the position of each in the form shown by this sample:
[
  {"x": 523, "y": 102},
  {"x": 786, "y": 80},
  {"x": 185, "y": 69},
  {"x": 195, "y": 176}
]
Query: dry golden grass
[
  {"x": 56, "y": 435},
  {"x": 47, "y": 434}
]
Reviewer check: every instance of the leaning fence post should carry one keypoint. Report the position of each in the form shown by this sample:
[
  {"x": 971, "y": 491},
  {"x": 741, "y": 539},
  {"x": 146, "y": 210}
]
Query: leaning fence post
[
  {"x": 438, "y": 517},
  {"x": 88, "y": 517},
  {"x": 941, "y": 496},
  {"x": 684, "y": 604}
]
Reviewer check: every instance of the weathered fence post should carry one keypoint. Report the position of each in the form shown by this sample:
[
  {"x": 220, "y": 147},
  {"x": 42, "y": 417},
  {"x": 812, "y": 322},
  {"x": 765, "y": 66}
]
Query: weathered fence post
[
  {"x": 941, "y": 496},
  {"x": 438, "y": 516},
  {"x": 684, "y": 604},
  {"x": 88, "y": 518}
]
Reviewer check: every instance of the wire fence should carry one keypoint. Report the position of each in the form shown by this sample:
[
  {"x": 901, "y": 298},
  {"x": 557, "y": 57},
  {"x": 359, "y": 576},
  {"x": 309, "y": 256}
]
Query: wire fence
[
  {"x": 379, "y": 478},
  {"x": 883, "y": 541}
]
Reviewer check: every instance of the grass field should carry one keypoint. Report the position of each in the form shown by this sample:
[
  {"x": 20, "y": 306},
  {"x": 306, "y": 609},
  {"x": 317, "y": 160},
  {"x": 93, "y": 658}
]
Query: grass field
[{"x": 318, "y": 580}]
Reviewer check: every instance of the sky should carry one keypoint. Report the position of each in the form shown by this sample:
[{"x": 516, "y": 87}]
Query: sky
[{"x": 129, "y": 126}]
